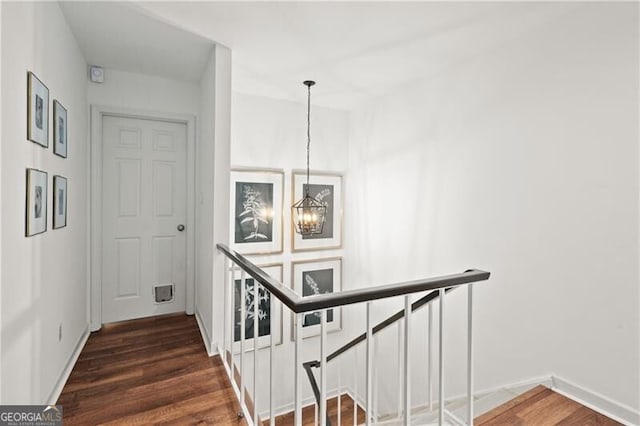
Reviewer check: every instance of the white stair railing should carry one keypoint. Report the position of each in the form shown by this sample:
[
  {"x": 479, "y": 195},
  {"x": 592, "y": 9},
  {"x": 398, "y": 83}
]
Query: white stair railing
[{"x": 234, "y": 352}]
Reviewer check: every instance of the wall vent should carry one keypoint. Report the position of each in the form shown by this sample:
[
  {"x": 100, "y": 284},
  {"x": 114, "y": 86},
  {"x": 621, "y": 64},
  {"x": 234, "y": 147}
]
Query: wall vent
[{"x": 163, "y": 293}]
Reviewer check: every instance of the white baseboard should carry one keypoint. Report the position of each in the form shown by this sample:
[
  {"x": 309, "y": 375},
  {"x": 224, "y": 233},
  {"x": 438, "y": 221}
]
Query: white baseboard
[
  {"x": 516, "y": 388},
  {"x": 205, "y": 336},
  {"x": 597, "y": 402},
  {"x": 66, "y": 371},
  {"x": 600, "y": 403}
]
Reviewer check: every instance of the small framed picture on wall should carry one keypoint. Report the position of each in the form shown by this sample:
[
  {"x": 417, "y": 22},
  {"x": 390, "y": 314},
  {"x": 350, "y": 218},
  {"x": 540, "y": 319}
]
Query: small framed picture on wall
[
  {"x": 59, "y": 202},
  {"x": 36, "y": 208},
  {"x": 256, "y": 211},
  {"x": 59, "y": 129},
  {"x": 269, "y": 310},
  {"x": 326, "y": 188},
  {"x": 37, "y": 111},
  {"x": 313, "y": 277}
]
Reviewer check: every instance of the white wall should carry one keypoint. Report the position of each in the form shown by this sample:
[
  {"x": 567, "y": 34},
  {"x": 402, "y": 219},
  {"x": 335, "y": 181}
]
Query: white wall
[
  {"x": 221, "y": 163},
  {"x": 204, "y": 202},
  {"x": 522, "y": 161},
  {"x": 270, "y": 133},
  {"x": 212, "y": 189},
  {"x": 0, "y": 209},
  {"x": 145, "y": 92},
  {"x": 44, "y": 279}
]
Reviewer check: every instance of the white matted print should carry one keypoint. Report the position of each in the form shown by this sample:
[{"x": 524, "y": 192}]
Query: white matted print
[
  {"x": 266, "y": 310},
  {"x": 326, "y": 188},
  {"x": 59, "y": 202},
  {"x": 37, "y": 111},
  {"x": 36, "y": 209},
  {"x": 59, "y": 129},
  {"x": 256, "y": 211},
  {"x": 312, "y": 277}
]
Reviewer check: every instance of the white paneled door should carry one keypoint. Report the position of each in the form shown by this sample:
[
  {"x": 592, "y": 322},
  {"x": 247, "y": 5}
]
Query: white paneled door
[{"x": 144, "y": 202}]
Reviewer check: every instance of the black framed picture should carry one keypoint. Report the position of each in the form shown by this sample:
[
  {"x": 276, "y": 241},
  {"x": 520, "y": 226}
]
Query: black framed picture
[
  {"x": 37, "y": 110},
  {"x": 326, "y": 188},
  {"x": 59, "y": 129},
  {"x": 256, "y": 211},
  {"x": 36, "y": 208},
  {"x": 59, "y": 202},
  {"x": 269, "y": 310},
  {"x": 314, "y": 277}
]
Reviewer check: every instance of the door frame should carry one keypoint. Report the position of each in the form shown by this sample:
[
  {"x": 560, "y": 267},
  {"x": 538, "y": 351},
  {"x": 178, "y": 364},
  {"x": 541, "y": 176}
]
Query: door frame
[{"x": 98, "y": 112}]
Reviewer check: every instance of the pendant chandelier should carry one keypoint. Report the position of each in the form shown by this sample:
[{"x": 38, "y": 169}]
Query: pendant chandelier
[{"x": 308, "y": 214}]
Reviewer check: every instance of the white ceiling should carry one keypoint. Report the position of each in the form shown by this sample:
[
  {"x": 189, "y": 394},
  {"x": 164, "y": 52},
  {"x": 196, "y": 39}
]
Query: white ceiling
[
  {"x": 354, "y": 50},
  {"x": 117, "y": 35}
]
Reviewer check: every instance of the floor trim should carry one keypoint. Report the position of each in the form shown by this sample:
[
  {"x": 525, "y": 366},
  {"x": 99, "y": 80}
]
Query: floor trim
[
  {"x": 603, "y": 405},
  {"x": 597, "y": 402},
  {"x": 206, "y": 339},
  {"x": 516, "y": 388},
  {"x": 71, "y": 362}
]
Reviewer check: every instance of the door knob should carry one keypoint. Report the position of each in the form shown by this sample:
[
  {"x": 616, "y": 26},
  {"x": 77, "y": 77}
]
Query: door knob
[{"x": 181, "y": 227}]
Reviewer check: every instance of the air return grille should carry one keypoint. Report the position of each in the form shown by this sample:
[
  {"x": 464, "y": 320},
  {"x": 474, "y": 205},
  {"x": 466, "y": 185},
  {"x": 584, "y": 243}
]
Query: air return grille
[{"x": 163, "y": 293}]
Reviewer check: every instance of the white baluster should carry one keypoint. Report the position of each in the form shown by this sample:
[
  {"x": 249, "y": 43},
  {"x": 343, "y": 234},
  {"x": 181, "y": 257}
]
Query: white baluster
[
  {"x": 243, "y": 306},
  {"x": 376, "y": 376},
  {"x": 441, "y": 361},
  {"x": 400, "y": 368},
  {"x": 470, "y": 355},
  {"x": 298, "y": 375},
  {"x": 225, "y": 312},
  {"x": 430, "y": 358},
  {"x": 369, "y": 364},
  {"x": 272, "y": 420},
  {"x": 355, "y": 386},
  {"x": 231, "y": 321},
  {"x": 407, "y": 360},
  {"x": 339, "y": 402},
  {"x": 256, "y": 333},
  {"x": 323, "y": 367}
]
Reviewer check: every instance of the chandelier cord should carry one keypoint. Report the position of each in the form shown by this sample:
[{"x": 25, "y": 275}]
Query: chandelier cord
[{"x": 308, "y": 132}]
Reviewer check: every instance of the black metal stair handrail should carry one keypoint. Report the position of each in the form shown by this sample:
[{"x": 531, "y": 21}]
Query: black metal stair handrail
[
  {"x": 318, "y": 302},
  {"x": 386, "y": 323},
  {"x": 314, "y": 384}
]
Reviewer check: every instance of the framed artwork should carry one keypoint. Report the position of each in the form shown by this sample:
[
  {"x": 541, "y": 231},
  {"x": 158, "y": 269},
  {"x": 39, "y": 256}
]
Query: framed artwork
[
  {"x": 59, "y": 129},
  {"x": 37, "y": 111},
  {"x": 326, "y": 188},
  {"x": 256, "y": 216},
  {"x": 265, "y": 311},
  {"x": 311, "y": 277},
  {"x": 59, "y": 202},
  {"x": 36, "y": 209}
]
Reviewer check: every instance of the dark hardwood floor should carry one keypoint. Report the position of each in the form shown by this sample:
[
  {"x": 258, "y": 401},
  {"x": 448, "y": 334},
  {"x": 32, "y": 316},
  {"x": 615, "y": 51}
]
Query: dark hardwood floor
[
  {"x": 156, "y": 371},
  {"x": 149, "y": 371},
  {"x": 542, "y": 407}
]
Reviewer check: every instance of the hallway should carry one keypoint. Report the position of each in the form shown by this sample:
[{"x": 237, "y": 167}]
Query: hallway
[
  {"x": 156, "y": 371},
  {"x": 149, "y": 371}
]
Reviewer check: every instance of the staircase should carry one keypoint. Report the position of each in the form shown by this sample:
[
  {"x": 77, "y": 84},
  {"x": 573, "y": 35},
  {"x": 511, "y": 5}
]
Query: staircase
[{"x": 313, "y": 314}]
